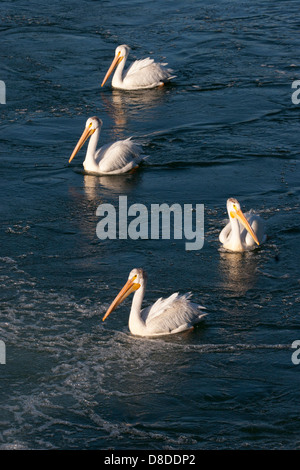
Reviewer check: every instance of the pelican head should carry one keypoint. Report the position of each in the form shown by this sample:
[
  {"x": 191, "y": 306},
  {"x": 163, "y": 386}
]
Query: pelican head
[
  {"x": 121, "y": 53},
  {"x": 92, "y": 124},
  {"x": 235, "y": 212},
  {"x": 136, "y": 279}
]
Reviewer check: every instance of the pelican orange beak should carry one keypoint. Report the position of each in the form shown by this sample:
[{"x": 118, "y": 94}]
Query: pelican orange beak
[
  {"x": 118, "y": 58},
  {"x": 240, "y": 216},
  {"x": 85, "y": 135},
  {"x": 129, "y": 287}
]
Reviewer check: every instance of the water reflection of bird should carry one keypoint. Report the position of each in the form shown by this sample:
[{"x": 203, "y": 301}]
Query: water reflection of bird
[
  {"x": 244, "y": 231},
  {"x": 166, "y": 316},
  {"x": 140, "y": 75},
  {"x": 111, "y": 159},
  {"x": 238, "y": 272}
]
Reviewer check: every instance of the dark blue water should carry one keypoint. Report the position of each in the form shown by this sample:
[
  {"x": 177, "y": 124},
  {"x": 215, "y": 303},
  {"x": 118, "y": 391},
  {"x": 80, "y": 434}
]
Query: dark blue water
[{"x": 226, "y": 127}]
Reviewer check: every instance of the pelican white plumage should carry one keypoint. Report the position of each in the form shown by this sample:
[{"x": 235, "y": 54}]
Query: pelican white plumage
[
  {"x": 243, "y": 231},
  {"x": 141, "y": 74},
  {"x": 111, "y": 159},
  {"x": 166, "y": 316}
]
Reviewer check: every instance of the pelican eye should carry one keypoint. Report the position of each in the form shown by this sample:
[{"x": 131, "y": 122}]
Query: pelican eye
[{"x": 134, "y": 277}]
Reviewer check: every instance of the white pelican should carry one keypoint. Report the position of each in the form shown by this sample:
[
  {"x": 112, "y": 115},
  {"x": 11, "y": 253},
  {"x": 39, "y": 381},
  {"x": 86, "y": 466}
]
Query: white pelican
[
  {"x": 111, "y": 159},
  {"x": 141, "y": 74},
  {"x": 243, "y": 232},
  {"x": 165, "y": 316}
]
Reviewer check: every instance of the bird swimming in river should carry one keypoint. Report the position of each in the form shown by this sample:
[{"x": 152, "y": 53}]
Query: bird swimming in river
[
  {"x": 141, "y": 74},
  {"x": 112, "y": 159},
  {"x": 243, "y": 231},
  {"x": 166, "y": 316}
]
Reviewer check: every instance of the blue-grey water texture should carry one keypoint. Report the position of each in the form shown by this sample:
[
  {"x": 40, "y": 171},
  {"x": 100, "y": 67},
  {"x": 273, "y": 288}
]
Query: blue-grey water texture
[{"x": 226, "y": 127}]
